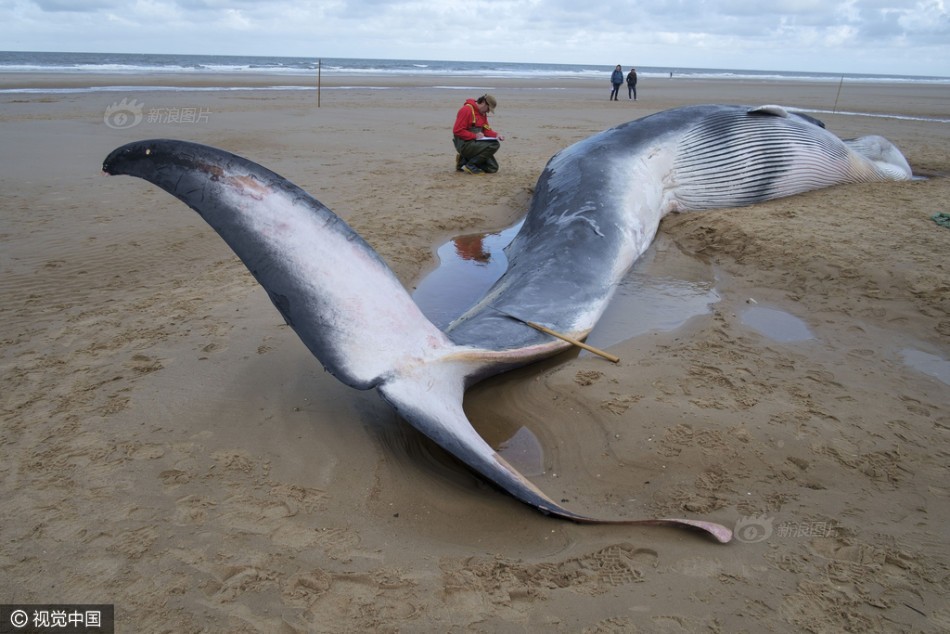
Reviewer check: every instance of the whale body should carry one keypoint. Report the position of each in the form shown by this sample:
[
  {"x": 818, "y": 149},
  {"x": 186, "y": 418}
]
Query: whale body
[{"x": 595, "y": 210}]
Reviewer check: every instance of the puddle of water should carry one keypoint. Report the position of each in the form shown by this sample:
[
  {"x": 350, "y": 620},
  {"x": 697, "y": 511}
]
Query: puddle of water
[
  {"x": 776, "y": 324},
  {"x": 664, "y": 289},
  {"x": 524, "y": 452},
  {"x": 468, "y": 266},
  {"x": 929, "y": 364}
]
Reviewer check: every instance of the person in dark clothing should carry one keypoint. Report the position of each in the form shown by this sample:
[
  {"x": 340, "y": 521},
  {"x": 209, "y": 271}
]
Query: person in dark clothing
[
  {"x": 616, "y": 78},
  {"x": 475, "y": 141},
  {"x": 632, "y": 84}
]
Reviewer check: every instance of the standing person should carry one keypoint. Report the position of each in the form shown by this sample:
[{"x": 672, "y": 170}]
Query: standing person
[
  {"x": 474, "y": 139},
  {"x": 616, "y": 78},
  {"x": 632, "y": 84}
]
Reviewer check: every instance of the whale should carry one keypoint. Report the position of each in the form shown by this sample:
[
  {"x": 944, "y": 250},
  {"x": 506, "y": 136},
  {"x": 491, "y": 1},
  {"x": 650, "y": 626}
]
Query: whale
[{"x": 595, "y": 209}]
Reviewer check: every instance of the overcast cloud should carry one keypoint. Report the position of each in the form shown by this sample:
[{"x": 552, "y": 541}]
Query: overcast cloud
[{"x": 910, "y": 37}]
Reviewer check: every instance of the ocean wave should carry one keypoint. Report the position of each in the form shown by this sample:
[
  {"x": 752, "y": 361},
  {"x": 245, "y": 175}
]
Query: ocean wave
[{"x": 128, "y": 64}]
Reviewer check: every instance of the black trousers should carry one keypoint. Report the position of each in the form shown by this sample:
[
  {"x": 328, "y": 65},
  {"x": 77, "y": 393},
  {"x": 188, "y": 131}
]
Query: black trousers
[{"x": 481, "y": 154}]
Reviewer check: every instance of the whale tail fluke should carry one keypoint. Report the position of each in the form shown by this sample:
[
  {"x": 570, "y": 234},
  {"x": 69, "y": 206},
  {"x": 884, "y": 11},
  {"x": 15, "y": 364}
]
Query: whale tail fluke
[{"x": 344, "y": 302}]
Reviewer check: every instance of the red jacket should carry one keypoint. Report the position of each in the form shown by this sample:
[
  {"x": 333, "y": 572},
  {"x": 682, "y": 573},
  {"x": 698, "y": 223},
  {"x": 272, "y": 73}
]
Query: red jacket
[{"x": 469, "y": 121}]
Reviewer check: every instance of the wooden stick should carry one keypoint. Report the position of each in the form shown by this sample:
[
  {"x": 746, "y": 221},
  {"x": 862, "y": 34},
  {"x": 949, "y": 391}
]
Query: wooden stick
[
  {"x": 840, "y": 84},
  {"x": 563, "y": 337}
]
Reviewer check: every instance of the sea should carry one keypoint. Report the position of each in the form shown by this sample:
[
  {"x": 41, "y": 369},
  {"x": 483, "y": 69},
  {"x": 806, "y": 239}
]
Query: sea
[{"x": 146, "y": 64}]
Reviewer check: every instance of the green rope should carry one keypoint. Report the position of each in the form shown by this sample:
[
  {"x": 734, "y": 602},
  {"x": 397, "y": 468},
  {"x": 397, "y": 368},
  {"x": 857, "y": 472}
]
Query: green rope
[{"x": 942, "y": 219}]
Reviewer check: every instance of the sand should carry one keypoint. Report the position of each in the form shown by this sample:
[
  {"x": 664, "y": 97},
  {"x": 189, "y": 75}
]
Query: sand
[{"x": 169, "y": 446}]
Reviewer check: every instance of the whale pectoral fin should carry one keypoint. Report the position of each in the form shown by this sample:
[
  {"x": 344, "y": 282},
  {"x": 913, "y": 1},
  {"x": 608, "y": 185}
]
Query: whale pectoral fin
[{"x": 429, "y": 397}]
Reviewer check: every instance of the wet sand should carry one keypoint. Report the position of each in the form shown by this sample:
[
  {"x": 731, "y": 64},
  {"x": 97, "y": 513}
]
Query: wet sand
[{"x": 169, "y": 446}]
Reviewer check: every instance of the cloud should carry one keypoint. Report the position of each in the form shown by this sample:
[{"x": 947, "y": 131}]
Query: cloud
[
  {"x": 86, "y": 6},
  {"x": 851, "y": 35}
]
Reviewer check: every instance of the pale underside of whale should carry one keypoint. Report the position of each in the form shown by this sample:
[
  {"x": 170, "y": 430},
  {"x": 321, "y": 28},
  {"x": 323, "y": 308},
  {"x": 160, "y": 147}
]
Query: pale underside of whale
[{"x": 596, "y": 208}]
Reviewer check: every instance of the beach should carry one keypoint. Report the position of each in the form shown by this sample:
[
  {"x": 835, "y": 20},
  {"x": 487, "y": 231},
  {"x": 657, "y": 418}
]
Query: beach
[{"x": 170, "y": 447}]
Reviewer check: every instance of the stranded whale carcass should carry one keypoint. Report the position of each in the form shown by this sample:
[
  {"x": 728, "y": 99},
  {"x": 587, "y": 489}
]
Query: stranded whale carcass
[{"x": 596, "y": 208}]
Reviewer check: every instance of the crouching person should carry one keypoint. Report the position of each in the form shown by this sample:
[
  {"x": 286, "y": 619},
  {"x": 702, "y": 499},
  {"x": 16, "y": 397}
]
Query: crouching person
[{"x": 475, "y": 141}]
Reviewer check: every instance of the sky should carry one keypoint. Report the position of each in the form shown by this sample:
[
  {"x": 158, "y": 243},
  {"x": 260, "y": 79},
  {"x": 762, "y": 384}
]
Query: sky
[{"x": 906, "y": 37}]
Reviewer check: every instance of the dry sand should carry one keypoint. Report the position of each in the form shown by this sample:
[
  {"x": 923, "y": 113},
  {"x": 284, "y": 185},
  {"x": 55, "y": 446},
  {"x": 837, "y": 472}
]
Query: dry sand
[{"x": 169, "y": 446}]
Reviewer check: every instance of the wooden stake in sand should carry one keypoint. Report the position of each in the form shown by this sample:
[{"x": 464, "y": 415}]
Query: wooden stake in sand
[
  {"x": 563, "y": 337},
  {"x": 840, "y": 84}
]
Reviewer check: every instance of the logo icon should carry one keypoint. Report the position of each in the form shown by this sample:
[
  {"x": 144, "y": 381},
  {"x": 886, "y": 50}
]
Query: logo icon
[
  {"x": 19, "y": 618},
  {"x": 124, "y": 114},
  {"x": 753, "y": 529}
]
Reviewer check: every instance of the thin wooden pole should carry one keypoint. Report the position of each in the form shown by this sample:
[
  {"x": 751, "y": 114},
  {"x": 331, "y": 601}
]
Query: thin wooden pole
[
  {"x": 319, "y": 79},
  {"x": 840, "y": 83},
  {"x": 563, "y": 337}
]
